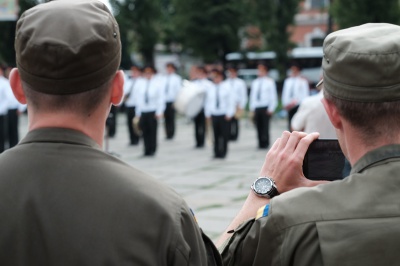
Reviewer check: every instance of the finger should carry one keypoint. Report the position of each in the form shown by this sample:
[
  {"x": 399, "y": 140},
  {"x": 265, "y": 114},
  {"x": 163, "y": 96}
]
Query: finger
[
  {"x": 275, "y": 146},
  {"x": 304, "y": 143},
  {"x": 294, "y": 140},
  {"x": 269, "y": 159},
  {"x": 284, "y": 139}
]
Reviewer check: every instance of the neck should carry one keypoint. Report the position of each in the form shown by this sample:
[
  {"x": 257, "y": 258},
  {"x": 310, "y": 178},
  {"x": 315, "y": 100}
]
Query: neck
[
  {"x": 92, "y": 125},
  {"x": 354, "y": 146}
]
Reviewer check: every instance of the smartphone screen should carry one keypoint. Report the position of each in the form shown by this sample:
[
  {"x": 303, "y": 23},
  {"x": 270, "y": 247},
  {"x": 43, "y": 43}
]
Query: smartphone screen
[{"x": 324, "y": 160}]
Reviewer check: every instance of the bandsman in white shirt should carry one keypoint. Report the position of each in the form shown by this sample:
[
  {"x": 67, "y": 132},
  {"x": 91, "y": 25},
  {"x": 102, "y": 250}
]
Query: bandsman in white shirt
[
  {"x": 263, "y": 101},
  {"x": 312, "y": 117},
  {"x": 150, "y": 107},
  {"x": 220, "y": 108},
  {"x": 172, "y": 85},
  {"x": 202, "y": 81},
  {"x": 130, "y": 102},
  {"x": 239, "y": 89},
  {"x": 295, "y": 90}
]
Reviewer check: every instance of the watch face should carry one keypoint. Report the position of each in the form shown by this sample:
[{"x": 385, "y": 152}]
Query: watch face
[{"x": 263, "y": 185}]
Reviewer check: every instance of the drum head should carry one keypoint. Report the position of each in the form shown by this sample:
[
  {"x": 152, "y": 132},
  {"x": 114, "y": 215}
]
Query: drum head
[{"x": 190, "y": 99}]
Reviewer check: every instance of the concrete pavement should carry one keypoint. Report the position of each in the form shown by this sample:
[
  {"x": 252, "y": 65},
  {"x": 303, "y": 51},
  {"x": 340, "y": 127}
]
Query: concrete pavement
[{"x": 215, "y": 189}]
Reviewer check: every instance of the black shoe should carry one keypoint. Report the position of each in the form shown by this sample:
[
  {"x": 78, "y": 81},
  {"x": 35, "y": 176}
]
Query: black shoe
[{"x": 148, "y": 154}]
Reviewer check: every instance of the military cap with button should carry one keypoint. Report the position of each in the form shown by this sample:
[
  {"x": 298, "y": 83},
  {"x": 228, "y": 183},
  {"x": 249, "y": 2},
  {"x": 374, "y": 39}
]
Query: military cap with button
[
  {"x": 67, "y": 47},
  {"x": 362, "y": 64}
]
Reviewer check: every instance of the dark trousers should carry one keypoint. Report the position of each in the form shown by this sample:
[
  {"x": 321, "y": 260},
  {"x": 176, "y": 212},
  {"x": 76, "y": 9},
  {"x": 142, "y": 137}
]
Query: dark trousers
[
  {"x": 2, "y": 132},
  {"x": 221, "y": 128},
  {"x": 130, "y": 114},
  {"x": 200, "y": 128},
  {"x": 234, "y": 132},
  {"x": 169, "y": 116},
  {"x": 12, "y": 124},
  {"x": 148, "y": 124},
  {"x": 111, "y": 122},
  {"x": 291, "y": 113},
  {"x": 261, "y": 119}
]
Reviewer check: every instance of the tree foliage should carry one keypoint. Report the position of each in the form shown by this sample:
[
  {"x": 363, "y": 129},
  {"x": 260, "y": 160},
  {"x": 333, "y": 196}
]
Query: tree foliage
[
  {"x": 357, "y": 12},
  {"x": 208, "y": 27},
  {"x": 274, "y": 18},
  {"x": 139, "y": 22},
  {"x": 7, "y": 34}
]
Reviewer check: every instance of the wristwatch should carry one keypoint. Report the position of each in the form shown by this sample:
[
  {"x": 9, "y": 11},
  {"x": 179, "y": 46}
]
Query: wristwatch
[{"x": 265, "y": 187}]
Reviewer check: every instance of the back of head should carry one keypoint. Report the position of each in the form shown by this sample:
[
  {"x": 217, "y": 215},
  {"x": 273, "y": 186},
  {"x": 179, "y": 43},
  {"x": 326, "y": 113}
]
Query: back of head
[
  {"x": 67, "y": 47},
  {"x": 361, "y": 69}
]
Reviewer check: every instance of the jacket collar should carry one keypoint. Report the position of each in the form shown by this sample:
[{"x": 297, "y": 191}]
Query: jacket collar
[
  {"x": 377, "y": 155},
  {"x": 59, "y": 135}
]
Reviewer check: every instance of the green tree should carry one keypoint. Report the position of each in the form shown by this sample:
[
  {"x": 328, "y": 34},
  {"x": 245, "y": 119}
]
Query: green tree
[
  {"x": 209, "y": 27},
  {"x": 169, "y": 34},
  {"x": 274, "y": 18},
  {"x": 7, "y": 34},
  {"x": 139, "y": 22},
  {"x": 357, "y": 12}
]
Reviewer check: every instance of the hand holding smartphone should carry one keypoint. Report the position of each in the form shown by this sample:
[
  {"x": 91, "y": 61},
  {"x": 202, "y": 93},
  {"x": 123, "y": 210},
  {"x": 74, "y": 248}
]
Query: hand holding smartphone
[{"x": 324, "y": 160}]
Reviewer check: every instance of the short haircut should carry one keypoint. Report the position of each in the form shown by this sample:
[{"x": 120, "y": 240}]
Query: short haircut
[
  {"x": 263, "y": 65},
  {"x": 374, "y": 120},
  {"x": 151, "y": 67},
  {"x": 136, "y": 67},
  {"x": 83, "y": 103},
  {"x": 202, "y": 69},
  {"x": 171, "y": 65}
]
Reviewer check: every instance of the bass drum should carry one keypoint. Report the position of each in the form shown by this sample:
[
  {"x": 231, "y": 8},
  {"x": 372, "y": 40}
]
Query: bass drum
[{"x": 190, "y": 99}]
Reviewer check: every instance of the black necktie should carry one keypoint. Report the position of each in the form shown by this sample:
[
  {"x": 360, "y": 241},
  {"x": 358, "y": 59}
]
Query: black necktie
[
  {"x": 131, "y": 87},
  {"x": 293, "y": 88},
  {"x": 167, "y": 85},
  {"x": 146, "y": 94},
  {"x": 259, "y": 89},
  {"x": 217, "y": 91}
]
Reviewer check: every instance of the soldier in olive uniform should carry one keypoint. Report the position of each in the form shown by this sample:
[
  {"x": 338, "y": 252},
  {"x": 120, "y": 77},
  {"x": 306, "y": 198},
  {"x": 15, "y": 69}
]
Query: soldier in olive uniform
[
  {"x": 63, "y": 201},
  {"x": 355, "y": 221}
]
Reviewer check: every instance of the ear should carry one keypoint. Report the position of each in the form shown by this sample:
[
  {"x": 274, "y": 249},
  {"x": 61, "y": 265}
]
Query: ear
[
  {"x": 333, "y": 113},
  {"x": 16, "y": 86},
  {"x": 117, "y": 92}
]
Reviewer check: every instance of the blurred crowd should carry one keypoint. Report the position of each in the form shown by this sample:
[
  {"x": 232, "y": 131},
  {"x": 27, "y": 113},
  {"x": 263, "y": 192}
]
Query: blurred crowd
[{"x": 215, "y": 100}]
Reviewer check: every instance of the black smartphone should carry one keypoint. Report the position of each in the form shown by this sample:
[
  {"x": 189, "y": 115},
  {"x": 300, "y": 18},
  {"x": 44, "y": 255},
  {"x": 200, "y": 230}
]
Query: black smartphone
[{"x": 324, "y": 160}]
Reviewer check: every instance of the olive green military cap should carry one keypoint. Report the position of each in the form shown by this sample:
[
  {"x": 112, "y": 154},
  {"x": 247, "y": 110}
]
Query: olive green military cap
[
  {"x": 67, "y": 47},
  {"x": 362, "y": 63}
]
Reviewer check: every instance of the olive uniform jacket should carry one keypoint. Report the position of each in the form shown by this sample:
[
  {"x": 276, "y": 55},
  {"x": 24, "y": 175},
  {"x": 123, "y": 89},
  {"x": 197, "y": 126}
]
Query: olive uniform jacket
[
  {"x": 63, "y": 201},
  {"x": 355, "y": 221}
]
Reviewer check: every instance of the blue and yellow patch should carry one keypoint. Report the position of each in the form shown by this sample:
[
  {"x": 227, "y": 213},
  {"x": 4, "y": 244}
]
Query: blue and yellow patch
[
  {"x": 262, "y": 212},
  {"x": 194, "y": 216}
]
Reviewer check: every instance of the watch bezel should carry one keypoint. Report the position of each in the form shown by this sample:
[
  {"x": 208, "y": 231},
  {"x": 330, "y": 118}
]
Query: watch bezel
[{"x": 272, "y": 192}]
